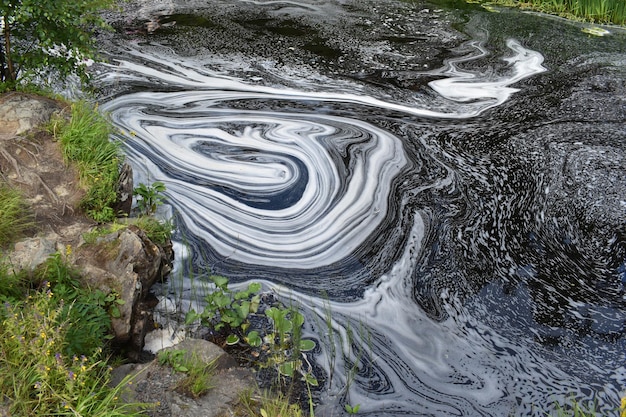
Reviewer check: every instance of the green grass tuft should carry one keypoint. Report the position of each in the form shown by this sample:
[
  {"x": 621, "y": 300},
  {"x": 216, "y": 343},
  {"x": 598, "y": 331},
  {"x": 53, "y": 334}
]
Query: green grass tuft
[
  {"x": 85, "y": 142},
  {"x": 597, "y": 11},
  {"x": 14, "y": 217}
]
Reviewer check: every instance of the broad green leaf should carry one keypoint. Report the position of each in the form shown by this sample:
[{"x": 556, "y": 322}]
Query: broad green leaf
[
  {"x": 219, "y": 281},
  {"x": 254, "y": 339},
  {"x": 232, "y": 339},
  {"x": 254, "y": 303},
  {"x": 286, "y": 369},
  {"x": 306, "y": 345},
  {"x": 191, "y": 316},
  {"x": 311, "y": 380}
]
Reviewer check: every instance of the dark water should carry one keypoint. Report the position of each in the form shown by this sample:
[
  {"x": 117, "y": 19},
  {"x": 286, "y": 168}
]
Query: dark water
[{"x": 447, "y": 183}]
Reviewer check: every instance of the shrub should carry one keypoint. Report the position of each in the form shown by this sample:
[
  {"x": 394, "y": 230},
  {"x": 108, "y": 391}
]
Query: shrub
[{"x": 40, "y": 36}]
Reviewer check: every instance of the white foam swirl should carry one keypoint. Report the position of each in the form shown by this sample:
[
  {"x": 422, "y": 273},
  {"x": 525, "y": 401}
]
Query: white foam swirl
[{"x": 264, "y": 188}]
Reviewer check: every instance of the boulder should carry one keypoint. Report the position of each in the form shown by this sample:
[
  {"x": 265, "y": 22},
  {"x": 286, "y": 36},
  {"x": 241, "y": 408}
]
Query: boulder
[
  {"x": 21, "y": 112},
  {"x": 29, "y": 253},
  {"x": 156, "y": 384},
  {"x": 127, "y": 263}
]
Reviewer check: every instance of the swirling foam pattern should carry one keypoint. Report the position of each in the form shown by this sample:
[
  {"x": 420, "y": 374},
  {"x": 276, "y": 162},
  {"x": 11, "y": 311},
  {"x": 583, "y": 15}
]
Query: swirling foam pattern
[
  {"x": 283, "y": 184},
  {"x": 273, "y": 188},
  {"x": 265, "y": 188}
]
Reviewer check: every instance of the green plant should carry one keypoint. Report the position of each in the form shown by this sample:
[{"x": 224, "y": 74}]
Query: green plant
[
  {"x": 285, "y": 343},
  {"x": 103, "y": 230},
  {"x": 575, "y": 409},
  {"x": 45, "y": 35},
  {"x": 149, "y": 197},
  {"x": 352, "y": 409},
  {"x": 14, "y": 215},
  {"x": 158, "y": 231},
  {"x": 39, "y": 377},
  {"x": 199, "y": 375},
  {"x": 85, "y": 142},
  {"x": 598, "y": 11},
  {"x": 228, "y": 310},
  {"x": 269, "y": 404},
  {"x": 86, "y": 311}
]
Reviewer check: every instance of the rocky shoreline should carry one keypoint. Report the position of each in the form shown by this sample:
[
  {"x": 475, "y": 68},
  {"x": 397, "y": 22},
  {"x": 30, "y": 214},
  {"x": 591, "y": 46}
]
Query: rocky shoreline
[{"x": 126, "y": 262}]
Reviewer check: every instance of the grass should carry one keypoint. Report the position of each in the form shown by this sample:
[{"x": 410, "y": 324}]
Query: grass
[
  {"x": 199, "y": 375},
  {"x": 596, "y": 11},
  {"x": 85, "y": 142},
  {"x": 268, "y": 404},
  {"x": 51, "y": 337},
  {"x": 158, "y": 231},
  {"x": 14, "y": 217}
]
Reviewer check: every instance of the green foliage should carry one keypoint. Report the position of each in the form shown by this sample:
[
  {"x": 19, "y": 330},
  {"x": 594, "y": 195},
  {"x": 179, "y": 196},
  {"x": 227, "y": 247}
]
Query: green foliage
[
  {"x": 40, "y": 375},
  {"x": 149, "y": 197},
  {"x": 14, "y": 217},
  {"x": 85, "y": 142},
  {"x": 599, "y": 11},
  {"x": 575, "y": 409},
  {"x": 285, "y": 344},
  {"x": 198, "y": 380},
  {"x": 158, "y": 231},
  {"x": 228, "y": 310},
  {"x": 280, "y": 348},
  {"x": 44, "y": 36},
  {"x": 87, "y": 312},
  {"x": 269, "y": 404},
  {"x": 350, "y": 409}
]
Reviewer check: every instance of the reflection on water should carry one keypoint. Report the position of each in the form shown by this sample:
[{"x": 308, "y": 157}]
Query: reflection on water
[{"x": 447, "y": 288}]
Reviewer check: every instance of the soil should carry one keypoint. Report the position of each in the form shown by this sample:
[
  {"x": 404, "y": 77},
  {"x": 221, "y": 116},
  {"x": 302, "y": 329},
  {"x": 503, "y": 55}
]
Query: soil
[{"x": 32, "y": 163}]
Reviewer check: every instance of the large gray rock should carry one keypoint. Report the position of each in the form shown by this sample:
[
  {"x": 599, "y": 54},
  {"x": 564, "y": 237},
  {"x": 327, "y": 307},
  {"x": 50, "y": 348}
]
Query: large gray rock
[
  {"x": 32, "y": 252},
  {"x": 155, "y": 384},
  {"x": 20, "y": 112},
  {"x": 127, "y": 263}
]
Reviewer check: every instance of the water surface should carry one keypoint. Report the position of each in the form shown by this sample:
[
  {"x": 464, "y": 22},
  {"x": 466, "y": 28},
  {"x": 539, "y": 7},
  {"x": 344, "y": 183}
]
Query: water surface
[{"x": 448, "y": 184}]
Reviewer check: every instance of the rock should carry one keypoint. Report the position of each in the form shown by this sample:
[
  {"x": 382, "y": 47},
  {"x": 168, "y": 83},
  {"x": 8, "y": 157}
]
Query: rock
[
  {"x": 127, "y": 263},
  {"x": 156, "y": 384},
  {"x": 30, "y": 253},
  {"x": 124, "y": 191},
  {"x": 20, "y": 113}
]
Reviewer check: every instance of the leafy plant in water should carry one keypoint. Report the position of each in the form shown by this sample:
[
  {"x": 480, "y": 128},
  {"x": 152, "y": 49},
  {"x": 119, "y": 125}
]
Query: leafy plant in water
[
  {"x": 228, "y": 310},
  {"x": 286, "y": 344},
  {"x": 149, "y": 197}
]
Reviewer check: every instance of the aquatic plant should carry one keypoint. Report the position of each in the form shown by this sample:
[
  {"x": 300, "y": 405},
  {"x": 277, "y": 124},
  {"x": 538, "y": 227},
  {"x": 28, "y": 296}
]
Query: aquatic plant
[
  {"x": 598, "y": 11},
  {"x": 149, "y": 197}
]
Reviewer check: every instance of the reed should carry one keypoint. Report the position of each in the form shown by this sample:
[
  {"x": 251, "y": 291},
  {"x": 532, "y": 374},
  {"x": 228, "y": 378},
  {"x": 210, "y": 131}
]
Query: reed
[{"x": 597, "y": 11}]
